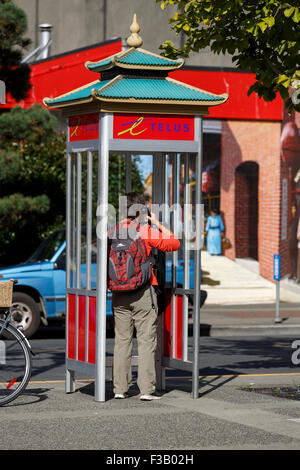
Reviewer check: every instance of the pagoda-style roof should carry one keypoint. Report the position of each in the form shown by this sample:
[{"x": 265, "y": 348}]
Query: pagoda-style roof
[
  {"x": 135, "y": 58},
  {"x": 140, "y": 77},
  {"x": 127, "y": 89}
]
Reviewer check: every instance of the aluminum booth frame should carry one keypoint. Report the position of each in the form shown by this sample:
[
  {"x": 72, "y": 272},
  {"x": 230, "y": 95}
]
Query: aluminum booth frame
[{"x": 86, "y": 303}]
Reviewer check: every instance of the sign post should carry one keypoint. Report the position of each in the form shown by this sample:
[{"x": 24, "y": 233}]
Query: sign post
[{"x": 276, "y": 276}]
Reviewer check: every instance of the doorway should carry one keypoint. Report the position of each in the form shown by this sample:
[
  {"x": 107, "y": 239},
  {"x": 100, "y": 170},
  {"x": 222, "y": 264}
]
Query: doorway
[{"x": 246, "y": 210}]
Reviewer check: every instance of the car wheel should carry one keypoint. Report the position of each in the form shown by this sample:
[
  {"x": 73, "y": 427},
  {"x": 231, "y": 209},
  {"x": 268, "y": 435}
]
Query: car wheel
[{"x": 25, "y": 313}]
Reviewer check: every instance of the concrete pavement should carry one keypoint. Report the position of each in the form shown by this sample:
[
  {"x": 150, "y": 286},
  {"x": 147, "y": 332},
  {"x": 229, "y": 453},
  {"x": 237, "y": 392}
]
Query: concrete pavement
[
  {"x": 226, "y": 416},
  {"x": 241, "y": 302},
  {"x": 231, "y": 413},
  {"x": 238, "y": 282}
]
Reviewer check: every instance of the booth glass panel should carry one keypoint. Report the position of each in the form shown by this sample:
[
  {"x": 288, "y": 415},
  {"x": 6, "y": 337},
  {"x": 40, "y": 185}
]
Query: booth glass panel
[
  {"x": 183, "y": 174},
  {"x": 142, "y": 175},
  {"x": 125, "y": 175},
  {"x": 128, "y": 172},
  {"x": 83, "y": 187},
  {"x": 117, "y": 186},
  {"x": 72, "y": 221}
]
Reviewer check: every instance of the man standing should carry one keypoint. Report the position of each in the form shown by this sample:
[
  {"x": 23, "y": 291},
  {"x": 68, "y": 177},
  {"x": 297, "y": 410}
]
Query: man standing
[{"x": 138, "y": 307}]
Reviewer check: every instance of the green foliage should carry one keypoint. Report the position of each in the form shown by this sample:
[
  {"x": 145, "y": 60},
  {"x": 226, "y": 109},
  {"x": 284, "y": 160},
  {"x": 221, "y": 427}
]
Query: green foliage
[
  {"x": 262, "y": 35},
  {"x": 13, "y": 25},
  {"x": 32, "y": 181},
  {"x": 33, "y": 125},
  {"x": 117, "y": 180}
]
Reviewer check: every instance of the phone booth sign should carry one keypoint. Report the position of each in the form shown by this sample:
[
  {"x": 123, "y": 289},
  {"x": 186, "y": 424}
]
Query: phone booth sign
[{"x": 134, "y": 108}]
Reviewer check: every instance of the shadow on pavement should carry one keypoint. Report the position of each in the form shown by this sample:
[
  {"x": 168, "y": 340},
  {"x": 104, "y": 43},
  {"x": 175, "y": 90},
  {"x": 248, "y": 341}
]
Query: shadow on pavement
[{"x": 29, "y": 397}]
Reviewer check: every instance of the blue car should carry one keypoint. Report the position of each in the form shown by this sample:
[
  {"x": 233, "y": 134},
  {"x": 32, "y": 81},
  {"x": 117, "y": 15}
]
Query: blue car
[{"x": 40, "y": 294}]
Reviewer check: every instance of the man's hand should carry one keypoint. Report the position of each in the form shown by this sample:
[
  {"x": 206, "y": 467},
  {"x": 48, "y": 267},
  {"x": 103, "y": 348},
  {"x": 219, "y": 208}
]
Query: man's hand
[
  {"x": 165, "y": 231},
  {"x": 153, "y": 219}
]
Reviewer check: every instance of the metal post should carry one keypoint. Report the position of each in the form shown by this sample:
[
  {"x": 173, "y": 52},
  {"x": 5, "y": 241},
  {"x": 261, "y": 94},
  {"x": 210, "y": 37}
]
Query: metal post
[
  {"x": 70, "y": 376},
  {"x": 276, "y": 276},
  {"x": 68, "y": 218},
  {"x": 197, "y": 286},
  {"x": 78, "y": 220},
  {"x": 175, "y": 200},
  {"x": 103, "y": 173},
  {"x": 89, "y": 222},
  {"x": 89, "y": 219},
  {"x": 278, "y": 319},
  {"x": 186, "y": 257},
  {"x": 128, "y": 172}
]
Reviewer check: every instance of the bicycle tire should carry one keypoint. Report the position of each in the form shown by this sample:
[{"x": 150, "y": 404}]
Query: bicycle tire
[{"x": 15, "y": 363}]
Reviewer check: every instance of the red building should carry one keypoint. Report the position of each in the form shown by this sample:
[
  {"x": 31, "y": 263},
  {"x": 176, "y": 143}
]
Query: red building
[{"x": 250, "y": 166}]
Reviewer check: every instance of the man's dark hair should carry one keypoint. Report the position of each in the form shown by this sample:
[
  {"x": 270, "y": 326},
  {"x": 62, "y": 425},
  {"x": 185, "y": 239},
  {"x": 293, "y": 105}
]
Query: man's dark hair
[{"x": 135, "y": 201}]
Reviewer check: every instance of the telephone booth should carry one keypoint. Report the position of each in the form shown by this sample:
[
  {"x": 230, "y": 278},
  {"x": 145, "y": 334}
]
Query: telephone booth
[{"x": 133, "y": 128}]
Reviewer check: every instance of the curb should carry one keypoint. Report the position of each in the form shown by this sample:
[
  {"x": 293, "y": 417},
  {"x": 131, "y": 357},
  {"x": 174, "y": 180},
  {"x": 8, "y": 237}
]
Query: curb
[{"x": 249, "y": 330}]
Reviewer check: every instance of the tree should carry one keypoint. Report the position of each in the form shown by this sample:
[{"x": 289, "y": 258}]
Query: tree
[
  {"x": 13, "y": 25},
  {"x": 262, "y": 35},
  {"x": 32, "y": 180},
  {"x": 117, "y": 179}
]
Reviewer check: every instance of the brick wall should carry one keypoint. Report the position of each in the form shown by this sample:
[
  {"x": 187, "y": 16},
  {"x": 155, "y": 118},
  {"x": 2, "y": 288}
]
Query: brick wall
[{"x": 258, "y": 142}]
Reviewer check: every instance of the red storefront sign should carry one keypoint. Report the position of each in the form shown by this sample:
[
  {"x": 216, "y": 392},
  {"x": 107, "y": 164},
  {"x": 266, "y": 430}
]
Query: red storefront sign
[
  {"x": 153, "y": 127},
  {"x": 84, "y": 127}
]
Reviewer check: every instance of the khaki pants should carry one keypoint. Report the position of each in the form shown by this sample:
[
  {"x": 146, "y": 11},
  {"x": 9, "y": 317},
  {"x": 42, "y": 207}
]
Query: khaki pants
[{"x": 134, "y": 309}]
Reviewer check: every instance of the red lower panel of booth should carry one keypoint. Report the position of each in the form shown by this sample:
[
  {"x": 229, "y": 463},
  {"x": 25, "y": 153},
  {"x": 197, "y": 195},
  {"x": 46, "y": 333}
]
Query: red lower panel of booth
[
  {"x": 81, "y": 335},
  {"x": 81, "y": 327},
  {"x": 71, "y": 326},
  {"x": 78, "y": 342},
  {"x": 92, "y": 330},
  {"x": 177, "y": 334}
]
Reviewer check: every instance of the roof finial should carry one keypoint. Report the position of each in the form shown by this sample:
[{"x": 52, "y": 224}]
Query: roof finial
[{"x": 134, "y": 39}]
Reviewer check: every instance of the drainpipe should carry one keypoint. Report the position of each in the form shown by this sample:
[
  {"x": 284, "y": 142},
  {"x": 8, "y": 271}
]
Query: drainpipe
[
  {"x": 43, "y": 50},
  {"x": 45, "y": 43}
]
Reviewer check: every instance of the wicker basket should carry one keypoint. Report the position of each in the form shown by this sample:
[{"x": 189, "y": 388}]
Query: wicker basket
[{"x": 6, "y": 292}]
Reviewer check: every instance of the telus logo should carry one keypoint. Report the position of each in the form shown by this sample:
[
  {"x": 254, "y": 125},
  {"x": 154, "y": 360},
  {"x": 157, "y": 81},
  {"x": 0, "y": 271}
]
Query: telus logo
[{"x": 155, "y": 126}]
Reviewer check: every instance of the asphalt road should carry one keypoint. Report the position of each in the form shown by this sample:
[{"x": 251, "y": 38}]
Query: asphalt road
[
  {"x": 218, "y": 356},
  {"x": 227, "y": 415}
]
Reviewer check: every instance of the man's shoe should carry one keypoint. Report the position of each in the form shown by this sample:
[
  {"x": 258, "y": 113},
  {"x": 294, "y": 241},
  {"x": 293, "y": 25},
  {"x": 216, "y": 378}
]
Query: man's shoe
[
  {"x": 121, "y": 396},
  {"x": 149, "y": 397}
]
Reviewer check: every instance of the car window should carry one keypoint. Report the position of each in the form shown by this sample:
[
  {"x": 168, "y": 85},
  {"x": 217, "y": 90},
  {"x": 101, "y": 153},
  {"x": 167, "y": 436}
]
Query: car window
[{"x": 49, "y": 247}]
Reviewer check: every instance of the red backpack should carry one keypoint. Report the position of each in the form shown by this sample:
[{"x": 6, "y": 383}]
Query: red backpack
[{"x": 129, "y": 267}]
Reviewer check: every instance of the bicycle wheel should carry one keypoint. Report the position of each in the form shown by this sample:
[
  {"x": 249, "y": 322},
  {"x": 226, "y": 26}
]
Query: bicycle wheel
[{"x": 15, "y": 363}]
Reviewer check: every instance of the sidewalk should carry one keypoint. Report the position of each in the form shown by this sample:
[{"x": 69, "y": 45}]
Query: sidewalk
[
  {"x": 241, "y": 302},
  {"x": 226, "y": 416},
  {"x": 236, "y": 282},
  {"x": 233, "y": 412}
]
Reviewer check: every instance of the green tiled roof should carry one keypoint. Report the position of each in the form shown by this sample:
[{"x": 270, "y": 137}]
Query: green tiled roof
[
  {"x": 134, "y": 58},
  {"x": 123, "y": 88},
  {"x": 79, "y": 94},
  {"x": 155, "y": 89},
  {"x": 138, "y": 89},
  {"x": 138, "y": 57}
]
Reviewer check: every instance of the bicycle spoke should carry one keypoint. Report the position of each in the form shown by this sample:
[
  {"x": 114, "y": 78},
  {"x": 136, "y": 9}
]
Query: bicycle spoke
[
  {"x": 15, "y": 365},
  {"x": 11, "y": 383}
]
